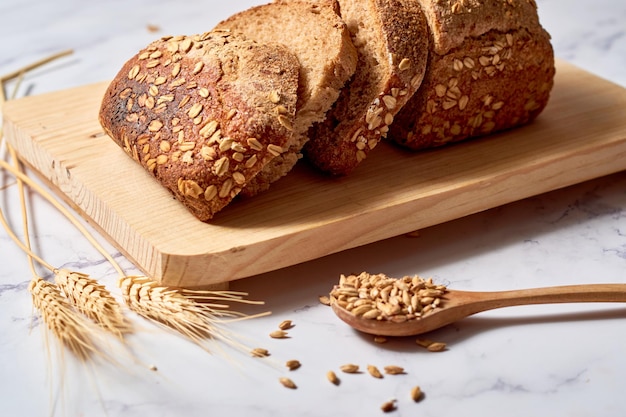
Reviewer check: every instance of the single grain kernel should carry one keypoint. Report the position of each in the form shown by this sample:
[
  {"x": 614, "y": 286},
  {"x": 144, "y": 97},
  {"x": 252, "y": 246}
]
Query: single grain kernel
[
  {"x": 416, "y": 393},
  {"x": 195, "y": 110},
  {"x": 260, "y": 352},
  {"x": 274, "y": 97},
  {"x": 278, "y": 334},
  {"x": 405, "y": 64},
  {"x": 424, "y": 342},
  {"x": 332, "y": 377},
  {"x": 274, "y": 149},
  {"x": 324, "y": 299},
  {"x": 287, "y": 383},
  {"x": 394, "y": 370},
  {"x": 388, "y": 406},
  {"x": 285, "y": 325},
  {"x": 373, "y": 371},
  {"x": 349, "y": 368},
  {"x": 436, "y": 347},
  {"x": 285, "y": 122},
  {"x": 292, "y": 364}
]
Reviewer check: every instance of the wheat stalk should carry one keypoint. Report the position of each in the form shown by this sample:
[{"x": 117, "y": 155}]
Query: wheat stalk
[
  {"x": 89, "y": 297},
  {"x": 85, "y": 293},
  {"x": 199, "y": 319},
  {"x": 198, "y": 315},
  {"x": 34, "y": 65}
]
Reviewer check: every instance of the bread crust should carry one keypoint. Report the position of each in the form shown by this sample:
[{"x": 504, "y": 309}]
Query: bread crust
[
  {"x": 394, "y": 31},
  {"x": 203, "y": 114},
  {"x": 315, "y": 33},
  {"x": 483, "y": 84},
  {"x": 452, "y": 22}
]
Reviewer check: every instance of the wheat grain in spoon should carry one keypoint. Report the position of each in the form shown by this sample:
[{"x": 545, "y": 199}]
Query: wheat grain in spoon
[{"x": 456, "y": 305}]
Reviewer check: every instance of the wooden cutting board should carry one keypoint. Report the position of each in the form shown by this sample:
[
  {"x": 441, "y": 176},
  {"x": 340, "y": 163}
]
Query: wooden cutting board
[{"x": 581, "y": 135}]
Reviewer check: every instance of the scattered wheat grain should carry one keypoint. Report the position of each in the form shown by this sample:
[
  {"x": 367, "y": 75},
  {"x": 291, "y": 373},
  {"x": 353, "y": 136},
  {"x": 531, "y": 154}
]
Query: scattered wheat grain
[
  {"x": 349, "y": 368},
  {"x": 259, "y": 352},
  {"x": 416, "y": 393},
  {"x": 373, "y": 371},
  {"x": 332, "y": 377},
  {"x": 436, "y": 347},
  {"x": 394, "y": 370},
  {"x": 278, "y": 334},
  {"x": 285, "y": 325},
  {"x": 431, "y": 345},
  {"x": 293, "y": 364},
  {"x": 388, "y": 406},
  {"x": 287, "y": 383},
  {"x": 324, "y": 299}
]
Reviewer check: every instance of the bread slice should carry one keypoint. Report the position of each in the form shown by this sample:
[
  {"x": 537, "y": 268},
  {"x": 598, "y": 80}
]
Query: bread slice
[
  {"x": 315, "y": 33},
  {"x": 391, "y": 37},
  {"x": 491, "y": 67},
  {"x": 204, "y": 114}
]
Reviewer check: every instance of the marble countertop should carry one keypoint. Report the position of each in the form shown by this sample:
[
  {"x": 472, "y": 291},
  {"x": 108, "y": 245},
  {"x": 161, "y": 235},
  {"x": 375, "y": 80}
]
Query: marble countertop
[{"x": 556, "y": 360}]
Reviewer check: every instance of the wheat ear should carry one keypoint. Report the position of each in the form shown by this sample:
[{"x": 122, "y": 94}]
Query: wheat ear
[
  {"x": 61, "y": 319},
  {"x": 74, "y": 284},
  {"x": 85, "y": 293},
  {"x": 184, "y": 311},
  {"x": 195, "y": 314},
  {"x": 93, "y": 300}
]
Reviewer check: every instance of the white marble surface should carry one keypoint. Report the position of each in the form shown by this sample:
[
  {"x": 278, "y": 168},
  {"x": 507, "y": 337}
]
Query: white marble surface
[{"x": 560, "y": 360}]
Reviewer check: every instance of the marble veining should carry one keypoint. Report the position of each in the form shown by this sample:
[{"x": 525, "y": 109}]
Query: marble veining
[{"x": 557, "y": 360}]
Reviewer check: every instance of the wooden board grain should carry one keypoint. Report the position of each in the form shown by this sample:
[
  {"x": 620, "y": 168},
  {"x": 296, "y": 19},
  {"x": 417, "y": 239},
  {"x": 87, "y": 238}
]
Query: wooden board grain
[{"x": 581, "y": 135}]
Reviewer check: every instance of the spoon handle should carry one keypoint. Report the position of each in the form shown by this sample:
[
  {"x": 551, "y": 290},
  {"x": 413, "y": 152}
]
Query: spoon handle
[{"x": 587, "y": 293}]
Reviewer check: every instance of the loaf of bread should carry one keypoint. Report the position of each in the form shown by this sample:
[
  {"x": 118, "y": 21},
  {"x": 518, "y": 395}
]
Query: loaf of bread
[
  {"x": 204, "y": 114},
  {"x": 491, "y": 67},
  {"x": 391, "y": 38},
  {"x": 316, "y": 34},
  {"x": 228, "y": 112}
]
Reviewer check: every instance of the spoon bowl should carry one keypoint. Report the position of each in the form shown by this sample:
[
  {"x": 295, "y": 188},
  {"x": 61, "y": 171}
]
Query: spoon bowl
[{"x": 456, "y": 305}]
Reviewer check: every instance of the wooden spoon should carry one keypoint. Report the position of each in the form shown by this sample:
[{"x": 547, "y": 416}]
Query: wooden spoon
[{"x": 456, "y": 305}]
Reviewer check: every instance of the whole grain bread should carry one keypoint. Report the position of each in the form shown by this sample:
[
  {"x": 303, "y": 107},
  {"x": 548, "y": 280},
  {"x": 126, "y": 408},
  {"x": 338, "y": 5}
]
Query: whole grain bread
[
  {"x": 204, "y": 114},
  {"x": 391, "y": 37},
  {"x": 491, "y": 67},
  {"x": 315, "y": 33}
]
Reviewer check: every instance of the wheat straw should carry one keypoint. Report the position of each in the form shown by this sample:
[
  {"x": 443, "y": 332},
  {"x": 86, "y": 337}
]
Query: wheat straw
[
  {"x": 195, "y": 314},
  {"x": 35, "y": 65},
  {"x": 85, "y": 293},
  {"x": 65, "y": 212},
  {"x": 89, "y": 297}
]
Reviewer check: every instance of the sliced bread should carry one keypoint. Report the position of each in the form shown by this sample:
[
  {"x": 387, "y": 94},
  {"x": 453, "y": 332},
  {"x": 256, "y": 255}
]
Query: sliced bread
[
  {"x": 391, "y": 37},
  {"x": 315, "y": 33},
  {"x": 491, "y": 67},
  {"x": 204, "y": 114}
]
